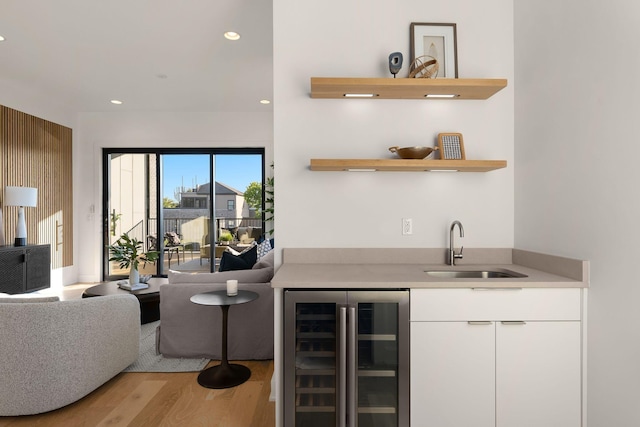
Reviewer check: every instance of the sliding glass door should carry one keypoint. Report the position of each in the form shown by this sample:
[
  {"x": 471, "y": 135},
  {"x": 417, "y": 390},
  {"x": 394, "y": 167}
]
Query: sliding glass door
[
  {"x": 179, "y": 202},
  {"x": 129, "y": 204},
  {"x": 187, "y": 204}
]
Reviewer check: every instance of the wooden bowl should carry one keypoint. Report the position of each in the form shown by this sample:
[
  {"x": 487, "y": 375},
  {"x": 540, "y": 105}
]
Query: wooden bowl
[{"x": 412, "y": 152}]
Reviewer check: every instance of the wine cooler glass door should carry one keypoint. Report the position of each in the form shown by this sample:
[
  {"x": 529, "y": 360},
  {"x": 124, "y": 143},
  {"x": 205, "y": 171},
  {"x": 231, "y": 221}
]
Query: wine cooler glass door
[
  {"x": 381, "y": 357},
  {"x": 313, "y": 360}
]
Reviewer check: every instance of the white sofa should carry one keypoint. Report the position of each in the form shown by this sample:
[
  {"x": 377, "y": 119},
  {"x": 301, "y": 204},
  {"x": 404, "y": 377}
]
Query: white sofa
[{"x": 53, "y": 353}]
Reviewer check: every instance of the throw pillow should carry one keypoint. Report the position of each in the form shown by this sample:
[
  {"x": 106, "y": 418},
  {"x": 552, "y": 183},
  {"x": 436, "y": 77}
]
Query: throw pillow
[
  {"x": 263, "y": 248},
  {"x": 172, "y": 238},
  {"x": 266, "y": 261},
  {"x": 248, "y": 248},
  {"x": 244, "y": 261}
]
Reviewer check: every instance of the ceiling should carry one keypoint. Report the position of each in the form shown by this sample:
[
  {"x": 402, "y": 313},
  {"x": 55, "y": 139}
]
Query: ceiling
[{"x": 153, "y": 55}]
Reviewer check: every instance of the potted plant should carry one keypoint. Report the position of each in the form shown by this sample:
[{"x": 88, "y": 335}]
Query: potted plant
[
  {"x": 128, "y": 252},
  {"x": 225, "y": 237}
]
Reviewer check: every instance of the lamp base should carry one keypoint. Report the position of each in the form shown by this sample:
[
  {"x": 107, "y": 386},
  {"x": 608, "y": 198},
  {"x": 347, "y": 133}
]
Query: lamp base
[{"x": 20, "y": 241}]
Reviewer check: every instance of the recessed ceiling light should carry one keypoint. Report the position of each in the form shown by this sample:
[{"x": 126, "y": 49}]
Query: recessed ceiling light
[
  {"x": 1, "y": 39},
  {"x": 231, "y": 35},
  {"x": 441, "y": 96},
  {"x": 265, "y": 101},
  {"x": 115, "y": 101}
]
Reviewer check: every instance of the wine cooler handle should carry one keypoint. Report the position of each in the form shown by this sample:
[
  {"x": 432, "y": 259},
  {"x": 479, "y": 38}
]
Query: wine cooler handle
[
  {"x": 342, "y": 369},
  {"x": 352, "y": 369}
]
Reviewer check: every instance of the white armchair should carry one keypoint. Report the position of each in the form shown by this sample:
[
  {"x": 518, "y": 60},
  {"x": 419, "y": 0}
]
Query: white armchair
[{"x": 53, "y": 353}]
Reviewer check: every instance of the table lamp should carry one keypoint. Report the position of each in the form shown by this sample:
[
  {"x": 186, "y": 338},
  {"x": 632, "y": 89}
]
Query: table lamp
[{"x": 21, "y": 196}]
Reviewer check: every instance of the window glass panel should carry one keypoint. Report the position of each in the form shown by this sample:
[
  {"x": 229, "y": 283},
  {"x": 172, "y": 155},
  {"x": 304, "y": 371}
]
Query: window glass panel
[{"x": 130, "y": 197}]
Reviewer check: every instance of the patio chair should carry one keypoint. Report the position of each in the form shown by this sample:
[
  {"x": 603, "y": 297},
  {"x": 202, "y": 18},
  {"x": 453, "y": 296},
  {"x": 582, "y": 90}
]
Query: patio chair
[
  {"x": 169, "y": 247},
  {"x": 205, "y": 251}
]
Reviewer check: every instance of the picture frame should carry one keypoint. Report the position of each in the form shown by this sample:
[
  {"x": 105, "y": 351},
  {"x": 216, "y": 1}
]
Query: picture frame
[
  {"x": 429, "y": 38},
  {"x": 451, "y": 146}
]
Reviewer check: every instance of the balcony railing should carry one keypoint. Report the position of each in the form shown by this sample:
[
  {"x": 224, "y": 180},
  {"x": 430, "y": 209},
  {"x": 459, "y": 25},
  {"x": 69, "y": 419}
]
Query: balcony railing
[{"x": 195, "y": 235}]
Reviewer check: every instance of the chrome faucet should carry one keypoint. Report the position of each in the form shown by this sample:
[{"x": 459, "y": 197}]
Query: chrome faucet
[{"x": 452, "y": 252}]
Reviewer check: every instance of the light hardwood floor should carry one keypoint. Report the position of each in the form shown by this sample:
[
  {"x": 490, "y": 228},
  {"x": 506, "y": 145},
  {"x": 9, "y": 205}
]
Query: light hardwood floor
[{"x": 164, "y": 399}]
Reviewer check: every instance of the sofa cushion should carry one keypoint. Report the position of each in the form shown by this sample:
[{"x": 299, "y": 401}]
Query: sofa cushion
[
  {"x": 266, "y": 261},
  {"x": 262, "y": 275},
  {"x": 244, "y": 261},
  {"x": 241, "y": 233}
]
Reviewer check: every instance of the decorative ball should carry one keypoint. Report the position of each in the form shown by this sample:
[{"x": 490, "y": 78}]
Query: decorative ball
[{"x": 424, "y": 67}]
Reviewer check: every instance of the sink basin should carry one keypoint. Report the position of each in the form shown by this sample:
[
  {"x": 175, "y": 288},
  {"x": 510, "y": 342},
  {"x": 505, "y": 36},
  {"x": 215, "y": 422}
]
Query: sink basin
[{"x": 475, "y": 274}]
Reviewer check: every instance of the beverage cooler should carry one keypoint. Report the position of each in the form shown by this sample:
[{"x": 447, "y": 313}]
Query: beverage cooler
[{"x": 346, "y": 358}]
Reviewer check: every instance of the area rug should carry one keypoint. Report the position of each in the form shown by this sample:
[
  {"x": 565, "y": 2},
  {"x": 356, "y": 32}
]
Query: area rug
[{"x": 149, "y": 361}]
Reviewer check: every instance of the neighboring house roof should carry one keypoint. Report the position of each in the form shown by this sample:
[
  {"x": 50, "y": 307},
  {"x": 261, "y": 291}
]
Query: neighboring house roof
[{"x": 220, "y": 189}]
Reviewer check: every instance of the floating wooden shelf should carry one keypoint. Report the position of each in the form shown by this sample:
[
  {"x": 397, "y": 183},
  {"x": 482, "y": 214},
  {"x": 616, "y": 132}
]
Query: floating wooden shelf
[
  {"x": 405, "y": 165},
  {"x": 389, "y": 88}
]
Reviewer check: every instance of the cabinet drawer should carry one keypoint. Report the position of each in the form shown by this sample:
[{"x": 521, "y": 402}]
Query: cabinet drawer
[{"x": 495, "y": 304}]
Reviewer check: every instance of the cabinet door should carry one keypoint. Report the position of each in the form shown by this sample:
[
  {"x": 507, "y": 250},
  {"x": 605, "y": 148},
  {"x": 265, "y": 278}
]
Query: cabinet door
[
  {"x": 453, "y": 374},
  {"x": 38, "y": 267},
  {"x": 538, "y": 374},
  {"x": 12, "y": 271}
]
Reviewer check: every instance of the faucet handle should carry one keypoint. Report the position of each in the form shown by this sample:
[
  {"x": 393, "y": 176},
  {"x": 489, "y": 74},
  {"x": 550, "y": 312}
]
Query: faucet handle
[{"x": 459, "y": 254}]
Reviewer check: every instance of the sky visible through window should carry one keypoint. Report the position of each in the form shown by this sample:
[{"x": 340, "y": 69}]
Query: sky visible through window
[{"x": 191, "y": 170}]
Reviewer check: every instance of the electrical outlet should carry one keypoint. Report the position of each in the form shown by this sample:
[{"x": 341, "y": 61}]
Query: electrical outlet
[{"x": 407, "y": 226}]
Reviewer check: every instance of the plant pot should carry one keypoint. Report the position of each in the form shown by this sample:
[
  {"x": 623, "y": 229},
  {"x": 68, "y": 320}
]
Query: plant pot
[{"x": 134, "y": 277}]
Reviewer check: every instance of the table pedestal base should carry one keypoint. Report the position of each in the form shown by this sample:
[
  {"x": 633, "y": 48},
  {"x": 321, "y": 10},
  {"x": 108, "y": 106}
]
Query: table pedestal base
[{"x": 224, "y": 376}]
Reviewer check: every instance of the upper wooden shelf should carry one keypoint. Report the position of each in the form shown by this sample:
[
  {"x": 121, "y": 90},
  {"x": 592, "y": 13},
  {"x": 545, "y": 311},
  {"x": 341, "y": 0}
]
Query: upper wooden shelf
[
  {"x": 406, "y": 165},
  {"x": 405, "y": 88}
]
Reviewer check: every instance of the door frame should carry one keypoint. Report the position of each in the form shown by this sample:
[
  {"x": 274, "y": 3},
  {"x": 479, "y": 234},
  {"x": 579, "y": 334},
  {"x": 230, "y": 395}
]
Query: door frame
[{"x": 159, "y": 152}]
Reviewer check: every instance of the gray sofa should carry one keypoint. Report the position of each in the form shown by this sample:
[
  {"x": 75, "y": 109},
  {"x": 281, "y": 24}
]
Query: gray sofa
[
  {"x": 193, "y": 331},
  {"x": 53, "y": 353}
]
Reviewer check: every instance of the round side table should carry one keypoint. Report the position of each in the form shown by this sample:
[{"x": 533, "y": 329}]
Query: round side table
[{"x": 225, "y": 374}]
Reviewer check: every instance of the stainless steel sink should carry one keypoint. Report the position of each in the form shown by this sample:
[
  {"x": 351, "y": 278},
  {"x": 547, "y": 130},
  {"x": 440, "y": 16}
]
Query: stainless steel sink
[{"x": 475, "y": 274}]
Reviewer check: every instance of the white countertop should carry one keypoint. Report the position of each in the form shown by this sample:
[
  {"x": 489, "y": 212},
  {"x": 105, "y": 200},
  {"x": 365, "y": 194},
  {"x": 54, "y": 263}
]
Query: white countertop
[{"x": 342, "y": 270}]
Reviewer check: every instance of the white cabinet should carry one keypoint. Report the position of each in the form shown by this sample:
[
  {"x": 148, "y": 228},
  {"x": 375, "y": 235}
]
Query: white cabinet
[
  {"x": 452, "y": 374},
  {"x": 538, "y": 380},
  {"x": 505, "y": 358}
]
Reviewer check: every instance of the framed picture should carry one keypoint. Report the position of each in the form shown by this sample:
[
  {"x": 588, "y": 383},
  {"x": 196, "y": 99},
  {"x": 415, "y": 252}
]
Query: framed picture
[
  {"x": 451, "y": 146},
  {"x": 438, "y": 41}
]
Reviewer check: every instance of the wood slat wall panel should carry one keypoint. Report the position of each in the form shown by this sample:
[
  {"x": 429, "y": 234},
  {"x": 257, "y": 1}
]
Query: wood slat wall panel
[{"x": 38, "y": 153}]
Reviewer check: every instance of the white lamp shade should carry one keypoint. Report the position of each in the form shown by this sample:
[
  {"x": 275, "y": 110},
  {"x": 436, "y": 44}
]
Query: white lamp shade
[{"x": 21, "y": 196}]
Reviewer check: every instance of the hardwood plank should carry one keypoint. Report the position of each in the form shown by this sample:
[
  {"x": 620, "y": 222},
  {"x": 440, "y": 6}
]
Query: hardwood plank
[
  {"x": 124, "y": 413},
  {"x": 166, "y": 399},
  {"x": 243, "y": 407}
]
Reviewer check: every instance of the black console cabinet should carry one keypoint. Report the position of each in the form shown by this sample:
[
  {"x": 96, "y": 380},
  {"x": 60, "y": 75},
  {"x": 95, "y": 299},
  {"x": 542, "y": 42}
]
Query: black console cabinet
[{"x": 24, "y": 268}]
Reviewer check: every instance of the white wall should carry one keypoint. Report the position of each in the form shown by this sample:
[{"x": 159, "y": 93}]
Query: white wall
[
  {"x": 576, "y": 180},
  {"x": 37, "y": 102},
  {"x": 96, "y": 131},
  {"x": 337, "y": 38}
]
